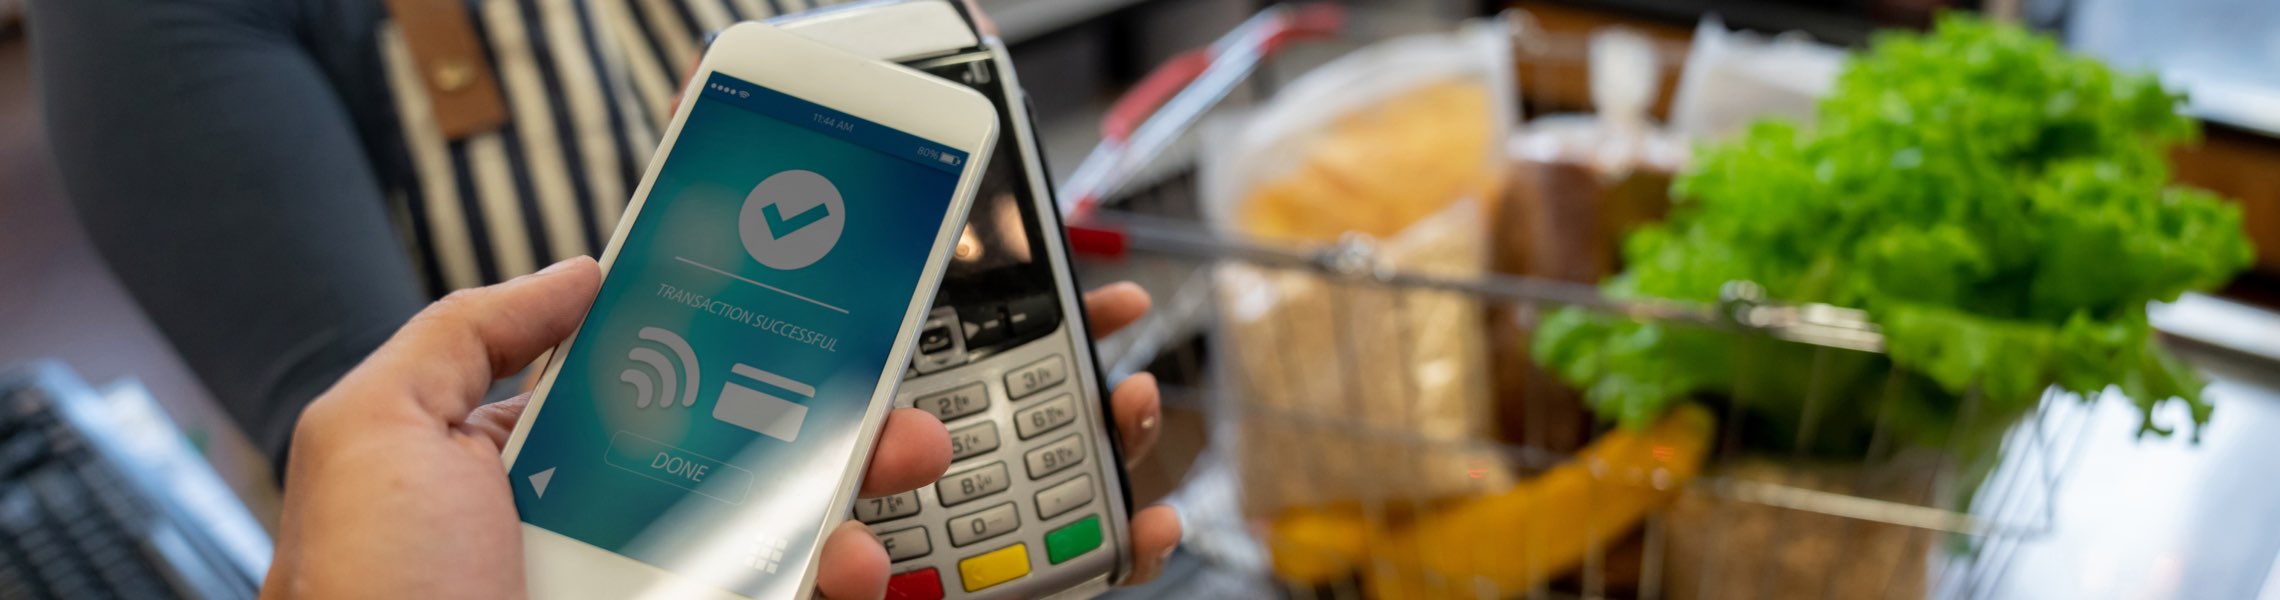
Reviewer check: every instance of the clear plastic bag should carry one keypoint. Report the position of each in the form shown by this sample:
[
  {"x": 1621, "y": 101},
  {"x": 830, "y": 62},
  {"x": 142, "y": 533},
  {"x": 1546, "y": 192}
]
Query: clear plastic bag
[{"x": 1356, "y": 391}]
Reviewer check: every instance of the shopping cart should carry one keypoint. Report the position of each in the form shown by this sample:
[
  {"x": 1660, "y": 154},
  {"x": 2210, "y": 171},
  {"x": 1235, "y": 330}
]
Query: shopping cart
[{"x": 1758, "y": 522}]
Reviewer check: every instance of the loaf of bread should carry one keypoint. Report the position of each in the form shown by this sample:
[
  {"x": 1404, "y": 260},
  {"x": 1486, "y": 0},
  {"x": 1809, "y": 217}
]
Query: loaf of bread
[{"x": 1356, "y": 391}]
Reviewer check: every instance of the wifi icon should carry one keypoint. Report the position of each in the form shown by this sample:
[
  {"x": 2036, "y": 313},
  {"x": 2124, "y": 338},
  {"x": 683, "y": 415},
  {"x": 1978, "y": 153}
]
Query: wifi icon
[{"x": 662, "y": 382}]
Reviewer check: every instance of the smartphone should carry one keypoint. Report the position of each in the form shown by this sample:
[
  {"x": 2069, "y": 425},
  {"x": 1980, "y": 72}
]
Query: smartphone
[
  {"x": 1034, "y": 504},
  {"x": 708, "y": 423}
]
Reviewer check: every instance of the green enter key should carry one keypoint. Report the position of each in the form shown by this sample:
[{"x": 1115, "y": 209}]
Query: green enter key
[{"x": 1073, "y": 539}]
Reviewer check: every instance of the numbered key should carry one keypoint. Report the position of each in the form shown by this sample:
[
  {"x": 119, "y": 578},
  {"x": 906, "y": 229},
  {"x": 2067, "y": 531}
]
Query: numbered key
[
  {"x": 1052, "y": 458},
  {"x": 1051, "y": 415},
  {"x": 957, "y": 488},
  {"x": 885, "y": 508},
  {"x": 906, "y": 544},
  {"x": 973, "y": 440},
  {"x": 1069, "y": 495},
  {"x": 955, "y": 403},
  {"x": 1031, "y": 378},
  {"x": 989, "y": 523}
]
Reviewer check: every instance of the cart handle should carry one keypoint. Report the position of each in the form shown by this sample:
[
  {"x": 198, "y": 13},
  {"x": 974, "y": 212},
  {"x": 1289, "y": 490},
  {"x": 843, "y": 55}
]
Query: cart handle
[
  {"x": 1143, "y": 122},
  {"x": 1302, "y": 22},
  {"x": 1087, "y": 239}
]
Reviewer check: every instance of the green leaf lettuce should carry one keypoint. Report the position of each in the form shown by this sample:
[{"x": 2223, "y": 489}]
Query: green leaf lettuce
[{"x": 2000, "y": 207}]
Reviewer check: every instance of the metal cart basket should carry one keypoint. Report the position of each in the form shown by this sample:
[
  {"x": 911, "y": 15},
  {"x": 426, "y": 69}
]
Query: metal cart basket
[{"x": 1739, "y": 518}]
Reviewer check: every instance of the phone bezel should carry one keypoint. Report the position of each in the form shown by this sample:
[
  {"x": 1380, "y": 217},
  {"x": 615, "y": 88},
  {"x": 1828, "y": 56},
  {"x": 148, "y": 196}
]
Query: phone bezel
[{"x": 890, "y": 95}]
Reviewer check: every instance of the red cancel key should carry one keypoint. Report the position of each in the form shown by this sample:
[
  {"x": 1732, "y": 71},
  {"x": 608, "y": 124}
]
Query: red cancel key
[{"x": 922, "y": 584}]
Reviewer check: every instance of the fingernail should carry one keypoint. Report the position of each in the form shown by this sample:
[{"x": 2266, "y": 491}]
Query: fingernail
[{"x": 1165, "y": 556}]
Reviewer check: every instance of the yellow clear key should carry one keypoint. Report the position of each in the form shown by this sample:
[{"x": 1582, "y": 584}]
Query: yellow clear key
[{"x": 995, "y": 567}]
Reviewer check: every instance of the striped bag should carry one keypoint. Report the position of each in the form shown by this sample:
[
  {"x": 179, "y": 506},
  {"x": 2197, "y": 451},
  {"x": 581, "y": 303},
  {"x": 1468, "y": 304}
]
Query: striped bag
[{"x": 528, "y": 122}]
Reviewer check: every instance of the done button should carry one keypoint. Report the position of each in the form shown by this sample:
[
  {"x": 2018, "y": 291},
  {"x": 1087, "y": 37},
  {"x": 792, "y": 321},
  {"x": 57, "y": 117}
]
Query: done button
[{"x": 681, "y": 468}]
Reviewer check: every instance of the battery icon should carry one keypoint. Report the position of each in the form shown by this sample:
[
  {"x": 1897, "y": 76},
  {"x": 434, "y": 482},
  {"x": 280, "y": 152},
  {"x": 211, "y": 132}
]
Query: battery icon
[{"x": 947, "y": 158}]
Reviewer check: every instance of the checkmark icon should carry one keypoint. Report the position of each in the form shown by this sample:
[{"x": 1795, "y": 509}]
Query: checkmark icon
[
  {"x": 790, "y": 243},
  {"x": 779, "y": 227}
]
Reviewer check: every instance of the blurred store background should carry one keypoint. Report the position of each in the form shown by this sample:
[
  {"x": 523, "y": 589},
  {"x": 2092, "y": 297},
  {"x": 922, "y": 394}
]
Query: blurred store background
[{"x": 1498, "y": 160}]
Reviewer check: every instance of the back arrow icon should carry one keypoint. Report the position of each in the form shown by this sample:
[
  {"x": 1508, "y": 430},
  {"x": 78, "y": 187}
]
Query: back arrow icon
[{"x": 539, "y": 480}]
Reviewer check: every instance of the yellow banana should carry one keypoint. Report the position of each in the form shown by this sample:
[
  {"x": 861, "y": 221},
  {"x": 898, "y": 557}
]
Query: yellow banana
[{"x": 1506, "y": 543}]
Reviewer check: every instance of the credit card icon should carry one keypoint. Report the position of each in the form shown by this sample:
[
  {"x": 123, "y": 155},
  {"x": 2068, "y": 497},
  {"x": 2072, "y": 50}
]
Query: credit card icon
[{"x": 759, "y": 407}]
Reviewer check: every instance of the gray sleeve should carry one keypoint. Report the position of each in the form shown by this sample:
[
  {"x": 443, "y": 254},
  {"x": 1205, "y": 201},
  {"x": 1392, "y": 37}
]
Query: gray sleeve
[{"x": 218, "y": 170}]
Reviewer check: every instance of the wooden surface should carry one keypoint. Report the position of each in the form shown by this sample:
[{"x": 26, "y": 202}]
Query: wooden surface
[
  {"x": 2246, "y": 168},
  {"x": 1559, "y": 81}
]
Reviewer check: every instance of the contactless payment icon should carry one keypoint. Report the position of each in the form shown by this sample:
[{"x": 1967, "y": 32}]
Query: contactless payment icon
[
  {"x": 658, "y": 384},
  {"x": 791, "y": 219}
]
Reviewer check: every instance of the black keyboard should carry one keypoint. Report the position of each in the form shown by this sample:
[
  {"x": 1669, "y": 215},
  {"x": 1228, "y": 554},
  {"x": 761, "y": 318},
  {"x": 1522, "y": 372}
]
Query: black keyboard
[{"x": 72, "y": 523}]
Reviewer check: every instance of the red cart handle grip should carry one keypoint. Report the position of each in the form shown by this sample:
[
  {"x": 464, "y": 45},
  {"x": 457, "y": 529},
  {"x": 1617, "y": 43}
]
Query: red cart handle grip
[
  {"x": 1299, "y": 22},
  {"x": 1152, "y": 92},
  {"x": 1096, "y": 241}
]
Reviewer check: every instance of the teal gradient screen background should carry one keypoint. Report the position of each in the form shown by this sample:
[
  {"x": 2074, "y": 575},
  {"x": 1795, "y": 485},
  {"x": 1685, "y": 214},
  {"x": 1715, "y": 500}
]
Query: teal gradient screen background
[{"x": 719, "y": 531}]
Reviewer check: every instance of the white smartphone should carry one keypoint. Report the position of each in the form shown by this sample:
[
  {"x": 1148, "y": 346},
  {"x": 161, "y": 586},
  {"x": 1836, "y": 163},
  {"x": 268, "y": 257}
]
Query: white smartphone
[{"x": 708, "y": 423}]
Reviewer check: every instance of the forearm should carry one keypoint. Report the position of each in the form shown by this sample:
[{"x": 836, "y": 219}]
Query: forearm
[{"x": 221, "y": 178}]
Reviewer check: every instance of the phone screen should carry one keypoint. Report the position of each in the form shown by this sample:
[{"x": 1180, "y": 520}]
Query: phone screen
[{"x": 710, "y": 404}]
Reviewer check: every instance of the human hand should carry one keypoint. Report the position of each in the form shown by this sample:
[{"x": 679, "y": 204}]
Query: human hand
[
  {"x": 395, "y": 487},
  {"x": 855, "y": 566},
  {"x": 392, "y": 490}
]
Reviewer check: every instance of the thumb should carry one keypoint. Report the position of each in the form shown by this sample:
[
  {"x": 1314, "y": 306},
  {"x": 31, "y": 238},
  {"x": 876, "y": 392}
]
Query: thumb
[
  {"x": 496, "y": 421},
  {"x": 448, "y": 355}
]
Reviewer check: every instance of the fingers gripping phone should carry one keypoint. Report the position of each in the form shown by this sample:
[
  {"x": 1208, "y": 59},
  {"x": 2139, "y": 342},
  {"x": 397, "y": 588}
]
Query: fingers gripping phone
[
  {"x": 707, "y": 424},
  {"x": 1035, "y": 503}
]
